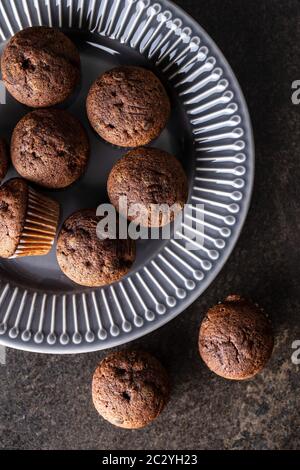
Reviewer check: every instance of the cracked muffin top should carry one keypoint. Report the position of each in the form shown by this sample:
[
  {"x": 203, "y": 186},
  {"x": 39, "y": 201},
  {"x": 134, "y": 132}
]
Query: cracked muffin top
[
  {"x": 128, "y": 106},
  {"x": 130, "y": 388},
  {"x": 235, "y": 339},
  {"x": 13, "y": 207},
  {"x": 4, "y": 159},
  {"x": 40, "y": 66},
  {"x": 88, "y": 260},
  {"x": 50, "y": 147},
  {"x": 154, "y": 183}
]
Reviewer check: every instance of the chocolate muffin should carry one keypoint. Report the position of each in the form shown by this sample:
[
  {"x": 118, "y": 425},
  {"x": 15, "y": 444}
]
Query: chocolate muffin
[
  {"x": 4, "y": 160},
  {"x": 87, "y": 259},
  {"x": 28, "y": 220},
  {"x": 154, "y": 184},
  {"x": 40, "y": 66},
  {"x": 128, "y": 106},
  {"x": 236, "y": 339},
  {"x": 50, "y": 147},
  {"x": 130, "y": 389}
]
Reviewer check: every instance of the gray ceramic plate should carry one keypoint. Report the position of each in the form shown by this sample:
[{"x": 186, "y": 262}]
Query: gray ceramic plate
[{"x": 209, "y": 131}]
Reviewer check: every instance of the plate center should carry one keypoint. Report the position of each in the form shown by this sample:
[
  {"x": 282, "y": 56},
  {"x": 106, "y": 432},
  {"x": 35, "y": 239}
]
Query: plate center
[{"x": 98, "y": 54}]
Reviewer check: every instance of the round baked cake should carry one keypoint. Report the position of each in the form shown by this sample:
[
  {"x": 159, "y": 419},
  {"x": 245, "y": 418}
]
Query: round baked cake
[
  {"x": 128, "y": 106},
  {"x": 28, "y": 220},
  {"x": 235, "y": 339},
  {"x": 13, "y": 207},
  {"x": 50, "y": 147},
  {"x": 153, "y": 183},
  {"x": 40, "y": 66},
  {"x": 130, "y": 388},
  {"x": 87, "y": 259}
]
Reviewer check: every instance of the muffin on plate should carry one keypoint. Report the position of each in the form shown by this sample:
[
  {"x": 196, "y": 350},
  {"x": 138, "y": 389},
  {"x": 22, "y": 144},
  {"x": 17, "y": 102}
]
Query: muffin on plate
[
  {"x": 130, "y": 388},
  {"x": 87, "y": 259},
  {"x": 40, "y": 66},
  {"x": 50, "y": 147},
  {"x": 236, "y": 339},
  {"x": 28, "y": 220},
  {"x": 128, "y": 106},
  {"x": 153, "y": 183},
  {"x": 4, "y": 159}
]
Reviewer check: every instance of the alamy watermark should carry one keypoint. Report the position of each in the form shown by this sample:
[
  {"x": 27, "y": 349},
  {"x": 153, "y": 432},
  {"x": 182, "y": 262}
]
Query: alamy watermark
[
  {"x": 152, "y": 221},
  {"x": 295, "y": 97},
  {"x": 295, "y": 358},
  {"x": 2, "y": 355},
  {"x": 2, "y": 93}
]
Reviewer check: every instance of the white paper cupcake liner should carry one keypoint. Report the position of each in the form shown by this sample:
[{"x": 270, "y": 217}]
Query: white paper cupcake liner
[{"x": 40, "y": 226}]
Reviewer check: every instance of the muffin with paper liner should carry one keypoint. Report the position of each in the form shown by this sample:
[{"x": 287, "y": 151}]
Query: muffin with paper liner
[{"x": 28, "y": 220}]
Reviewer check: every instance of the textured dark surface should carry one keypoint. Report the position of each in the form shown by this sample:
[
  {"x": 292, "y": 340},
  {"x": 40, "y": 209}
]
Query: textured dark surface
[{"x": 45, "y": 402}]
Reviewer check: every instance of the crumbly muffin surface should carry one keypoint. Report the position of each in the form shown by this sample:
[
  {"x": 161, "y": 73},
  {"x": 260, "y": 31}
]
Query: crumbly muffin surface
[
  {"x": 130, "y": 388},
  {"x": 88, "y": 260},
  {"x": 13, "y": 207},
  {"x": 148, "y": 177},
  {"x": 235, "y": 339},
  {"x": 128, "y": 106},
  {"x": 40, "y": 66},
  {"x": 50, "y": 147}
]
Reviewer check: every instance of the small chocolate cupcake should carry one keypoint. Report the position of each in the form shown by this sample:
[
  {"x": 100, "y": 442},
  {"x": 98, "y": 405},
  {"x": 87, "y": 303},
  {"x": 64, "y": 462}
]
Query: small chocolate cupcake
[
  {"x": 40, "y": 66},
  {"x": 88, "y": 260},
  {"x": 130, "y": 389},
  {"x": 4, "y": 159},
  {"x": 128, "y": 106},
  {"x": 236, "y": 339},
  {"x": 28, "y": 220},
  {"x": 50, "y": 147},
  {"x": 154, "y": 184}
]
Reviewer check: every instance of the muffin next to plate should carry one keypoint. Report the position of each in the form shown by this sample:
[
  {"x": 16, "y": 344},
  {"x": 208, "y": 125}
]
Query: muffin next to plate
[
  {"x": 154, "y": 183},
  {"x": 50, "y": 147},
  {"x": 128, "y": 106},
  {"x": 236, "y": 339},
  {"x": 28, "y": 220},
  {"x": 130, "y": 388},
  {"x": 40, "y": 66},
  {"x": 87, "y": 259}
]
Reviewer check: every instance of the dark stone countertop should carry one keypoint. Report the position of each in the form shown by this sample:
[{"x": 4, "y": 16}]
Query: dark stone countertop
[{"x": 45, "y": 401}]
